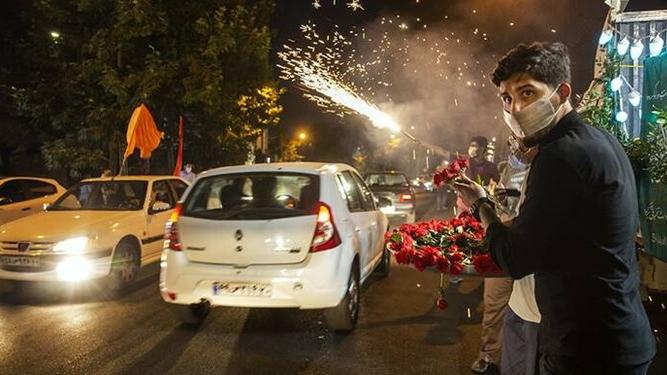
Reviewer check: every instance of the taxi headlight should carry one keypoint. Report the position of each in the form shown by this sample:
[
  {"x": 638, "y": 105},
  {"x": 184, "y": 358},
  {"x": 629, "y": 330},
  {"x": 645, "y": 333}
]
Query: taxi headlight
[
  {"x": 74, "y": 269},
  {"x": 74, "y": 245}
]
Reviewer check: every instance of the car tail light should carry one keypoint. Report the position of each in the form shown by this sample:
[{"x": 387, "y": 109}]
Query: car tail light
[
  {"x": 326, "y": 235},
  {"x": 405, "y": 197},
  {"x": 171, "y": 230},
  {"x": 172, "y": 295}
]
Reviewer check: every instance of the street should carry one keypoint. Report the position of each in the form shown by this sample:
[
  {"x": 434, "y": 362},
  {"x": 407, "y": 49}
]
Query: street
[{"x": 47, "y": 331}]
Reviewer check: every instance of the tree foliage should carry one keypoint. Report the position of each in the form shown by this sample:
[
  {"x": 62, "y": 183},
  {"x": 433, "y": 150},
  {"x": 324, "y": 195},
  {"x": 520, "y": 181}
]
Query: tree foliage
[{"x": 82, "y": 66}]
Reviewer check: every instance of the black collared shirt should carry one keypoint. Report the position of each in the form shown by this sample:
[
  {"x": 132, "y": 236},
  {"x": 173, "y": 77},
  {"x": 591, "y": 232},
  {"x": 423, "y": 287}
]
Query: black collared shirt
[{"x": 576, "y": 232}]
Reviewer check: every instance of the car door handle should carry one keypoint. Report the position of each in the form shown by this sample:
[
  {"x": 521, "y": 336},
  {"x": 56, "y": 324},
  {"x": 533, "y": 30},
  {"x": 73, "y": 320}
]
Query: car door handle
[{"x": 26, "y": 208}]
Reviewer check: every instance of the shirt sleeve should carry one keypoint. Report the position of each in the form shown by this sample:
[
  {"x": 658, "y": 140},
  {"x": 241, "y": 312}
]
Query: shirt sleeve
[{"x": 523, "y": 247}]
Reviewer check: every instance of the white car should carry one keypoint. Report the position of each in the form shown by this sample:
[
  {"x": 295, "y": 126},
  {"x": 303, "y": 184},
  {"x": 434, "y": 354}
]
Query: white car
[
  {"x": 100, "y": 227},
  {"x": 299, "y": 235},
  {"x": 24, "y": 196}
]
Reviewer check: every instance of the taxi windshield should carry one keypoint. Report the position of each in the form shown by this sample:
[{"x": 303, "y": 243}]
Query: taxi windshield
[{"x": 103, "y": 195}]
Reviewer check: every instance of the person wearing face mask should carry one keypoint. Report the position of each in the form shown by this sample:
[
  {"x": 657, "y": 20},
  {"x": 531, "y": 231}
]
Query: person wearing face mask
[
  {"x": 576, "y": 227},
  {"x": 497, "y": 290},
  {"x": 480, "y": 169},
  {"x": 521, "y": 321},
  {"x": 187, "y": 174}
]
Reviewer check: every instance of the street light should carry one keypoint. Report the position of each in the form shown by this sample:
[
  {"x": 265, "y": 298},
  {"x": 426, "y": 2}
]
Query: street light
[
  {"x": 55, "y": 34},
  {"x": 303, "y": 136}
]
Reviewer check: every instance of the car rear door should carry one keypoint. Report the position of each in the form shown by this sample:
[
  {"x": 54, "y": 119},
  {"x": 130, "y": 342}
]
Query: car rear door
[
  {"x": 361, "y": 218},
  {"x": 374, "y": 216}
]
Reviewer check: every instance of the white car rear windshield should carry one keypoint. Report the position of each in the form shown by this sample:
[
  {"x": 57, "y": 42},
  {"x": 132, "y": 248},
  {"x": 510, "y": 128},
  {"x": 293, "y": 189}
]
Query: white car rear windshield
[{"x": 253, "y": 196}]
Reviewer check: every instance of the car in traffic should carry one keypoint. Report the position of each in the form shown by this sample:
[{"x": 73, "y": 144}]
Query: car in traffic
[
  {"x": 394, "y": 187},
  {"x": 24, "y": 196},
  {"x": 284, "y": 235},
  {"x": 99, "y": 228}
]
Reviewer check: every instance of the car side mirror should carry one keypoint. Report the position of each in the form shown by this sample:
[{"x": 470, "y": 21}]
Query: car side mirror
[
  {"x": 383, "y": 202},
  {"x": 4, "y": 201},
  {"x": 159, "y": 206}
]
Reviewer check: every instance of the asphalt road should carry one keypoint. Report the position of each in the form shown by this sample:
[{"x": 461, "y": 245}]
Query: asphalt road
[{"x": 51, "y": 331}]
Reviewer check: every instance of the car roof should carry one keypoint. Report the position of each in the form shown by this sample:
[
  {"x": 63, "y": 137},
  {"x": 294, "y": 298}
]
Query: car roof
[
  {"x": 299, "y": 167},
  {"x": 8, "y": 178},
  {"x": 147, "y": 178}
]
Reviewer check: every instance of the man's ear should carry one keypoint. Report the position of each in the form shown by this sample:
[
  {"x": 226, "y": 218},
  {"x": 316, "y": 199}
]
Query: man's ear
[{"x": 564, "y": 92}]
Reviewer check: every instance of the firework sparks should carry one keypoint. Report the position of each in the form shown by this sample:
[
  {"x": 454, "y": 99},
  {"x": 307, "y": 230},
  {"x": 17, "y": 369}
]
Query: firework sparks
[
  {"x": 321, "y": 74},
  {"x": 355, "y": 5}
]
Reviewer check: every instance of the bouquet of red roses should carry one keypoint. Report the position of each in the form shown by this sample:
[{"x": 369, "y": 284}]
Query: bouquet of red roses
[
  {"x": 449, "y": 174},
  {"x": 450, "y": 246}
]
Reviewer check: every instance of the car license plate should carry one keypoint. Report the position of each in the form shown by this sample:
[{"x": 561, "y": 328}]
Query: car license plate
[
  {"x": 20, "y": 261},
  {"x": 241, "y": 289}
]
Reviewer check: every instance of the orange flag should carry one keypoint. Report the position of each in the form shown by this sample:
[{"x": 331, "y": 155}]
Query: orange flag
[{"x": 142, "y": 133}]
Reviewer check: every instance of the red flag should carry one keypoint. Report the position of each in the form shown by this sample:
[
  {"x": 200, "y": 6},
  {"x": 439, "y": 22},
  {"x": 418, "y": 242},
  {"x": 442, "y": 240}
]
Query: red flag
[{"x": 179, "y": 157}]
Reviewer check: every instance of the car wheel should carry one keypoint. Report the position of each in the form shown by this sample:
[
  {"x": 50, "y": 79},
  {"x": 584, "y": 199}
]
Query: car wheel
[
  {"x": 385, "y": 264},
  {"x": 343, "y": 318},
  {"x": 124, "y": 266},
  {"x": 192, "y": 315}
]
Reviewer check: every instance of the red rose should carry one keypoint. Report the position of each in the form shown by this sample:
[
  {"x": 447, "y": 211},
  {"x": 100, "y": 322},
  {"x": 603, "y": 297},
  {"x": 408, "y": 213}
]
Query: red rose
[
  {"x": 442, "y": 264},
  {"x": 438, "y": 179},
  {"x": 419, "y": 261},
  {"x": 441, "y": 304},
  {"x": 484, "y": 264},
  {"x": 420, "y": 231},
  {"x": 455, "y": 268},
  {"x": 403, "y": 257}
]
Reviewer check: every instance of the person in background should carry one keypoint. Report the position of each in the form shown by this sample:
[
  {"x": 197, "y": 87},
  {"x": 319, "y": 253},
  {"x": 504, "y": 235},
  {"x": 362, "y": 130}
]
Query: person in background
[
  {"x": 522, "y": 318},
  {"x": 187, "y": 174},
  {"x": 497, "y": 290}
]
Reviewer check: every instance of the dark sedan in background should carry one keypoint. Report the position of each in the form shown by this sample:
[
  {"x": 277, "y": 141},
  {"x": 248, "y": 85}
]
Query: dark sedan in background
[{"x": 394, "y": 187}]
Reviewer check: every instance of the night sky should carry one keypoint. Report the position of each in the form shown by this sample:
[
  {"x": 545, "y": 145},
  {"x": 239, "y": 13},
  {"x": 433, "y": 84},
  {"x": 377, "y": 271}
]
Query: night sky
[{"x": 446, "y": 112}]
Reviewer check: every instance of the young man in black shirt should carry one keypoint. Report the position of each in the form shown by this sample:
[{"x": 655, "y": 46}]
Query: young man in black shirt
[{"x": 576, "y": 226}]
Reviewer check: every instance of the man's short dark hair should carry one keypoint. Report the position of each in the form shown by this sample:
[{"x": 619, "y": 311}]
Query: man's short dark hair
[
  {"x": 481, "y": 141},
  {"x": 545, "y": 62}
]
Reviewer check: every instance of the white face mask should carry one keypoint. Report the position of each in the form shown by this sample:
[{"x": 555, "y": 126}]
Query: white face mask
[{"x": 533, "y": 118}]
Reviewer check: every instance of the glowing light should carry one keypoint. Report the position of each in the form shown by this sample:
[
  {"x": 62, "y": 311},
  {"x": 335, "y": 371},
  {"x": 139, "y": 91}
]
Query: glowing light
[
  {"x": 355, "y": 5},
  {"x": 316, "y": 76},
  {"x": 616, "y": 83},
  {"x": 634, "y": 98},
  {"x": 655, "y": 45},
  {"x": 55, "y": 34},
  {"x": 74, "y": 269},
  {"x": 636, "y": 50},
  {"x": 623, "y": 46},
  {"x": 622, "y": 116},
  {"x": 74, "y": 245},
  {"x": 606, "y": 36}
]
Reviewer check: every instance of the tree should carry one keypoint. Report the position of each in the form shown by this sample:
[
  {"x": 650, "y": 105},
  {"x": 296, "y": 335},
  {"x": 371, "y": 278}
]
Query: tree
[{"x": 94, "y": 61}]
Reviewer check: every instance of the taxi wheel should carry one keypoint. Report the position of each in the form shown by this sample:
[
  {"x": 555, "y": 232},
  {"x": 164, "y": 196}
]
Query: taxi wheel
[
  {"x": 343, "y": 318},
  {"x": 124, "y": 266}
]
